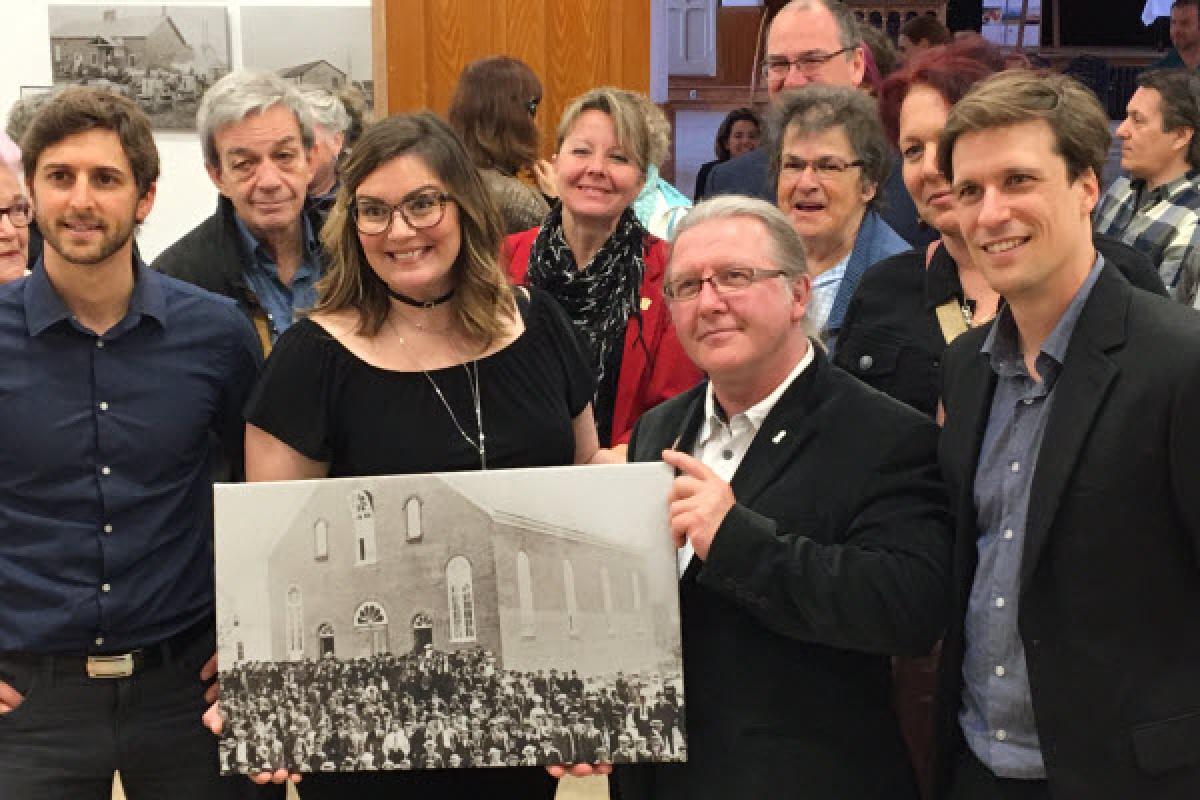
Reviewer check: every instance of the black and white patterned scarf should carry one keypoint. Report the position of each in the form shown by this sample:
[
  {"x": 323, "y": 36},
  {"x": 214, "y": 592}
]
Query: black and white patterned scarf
[{"x": 601, "y": 298}]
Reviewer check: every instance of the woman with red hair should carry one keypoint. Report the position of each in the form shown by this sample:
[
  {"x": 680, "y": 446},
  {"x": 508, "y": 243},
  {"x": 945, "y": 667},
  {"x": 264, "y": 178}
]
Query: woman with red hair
[{"x": 910, "y": 306}]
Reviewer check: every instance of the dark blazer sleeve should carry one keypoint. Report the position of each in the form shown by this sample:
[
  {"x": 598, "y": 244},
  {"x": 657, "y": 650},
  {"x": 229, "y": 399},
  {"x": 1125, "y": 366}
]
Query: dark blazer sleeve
[{"x": 881, "y": 588}]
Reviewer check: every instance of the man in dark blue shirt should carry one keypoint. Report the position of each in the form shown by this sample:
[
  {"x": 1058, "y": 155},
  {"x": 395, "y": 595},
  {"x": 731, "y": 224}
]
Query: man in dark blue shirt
[{"x": 116, "y": 380}]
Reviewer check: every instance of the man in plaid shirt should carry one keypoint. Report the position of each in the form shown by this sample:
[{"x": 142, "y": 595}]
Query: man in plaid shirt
[{"x": 1156, "y": 208}]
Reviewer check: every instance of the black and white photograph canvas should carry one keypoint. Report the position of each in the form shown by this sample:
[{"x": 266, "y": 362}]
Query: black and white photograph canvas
[
  {"x": 478, "y": 619},
  {"x": 322, "y": 46},
  {"x": 164, "y": 57}
]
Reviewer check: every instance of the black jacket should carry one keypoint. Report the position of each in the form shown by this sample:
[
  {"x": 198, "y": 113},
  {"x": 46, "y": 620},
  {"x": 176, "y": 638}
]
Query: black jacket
[
  {"x": 1110, "y": 570},
  {"x": 213, "y": 256},
  {"x": 832, "y": 560},
  {"x": 890, "y": 337}
]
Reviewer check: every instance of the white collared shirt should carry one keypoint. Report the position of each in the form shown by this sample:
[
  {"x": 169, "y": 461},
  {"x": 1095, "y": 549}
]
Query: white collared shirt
[{"x": 722, "y": 445}]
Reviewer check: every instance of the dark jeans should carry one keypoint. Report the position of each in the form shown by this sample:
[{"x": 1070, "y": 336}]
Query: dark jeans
[
  {"x": 974, "y": 781},
  {"x": 72, "y": 732}
]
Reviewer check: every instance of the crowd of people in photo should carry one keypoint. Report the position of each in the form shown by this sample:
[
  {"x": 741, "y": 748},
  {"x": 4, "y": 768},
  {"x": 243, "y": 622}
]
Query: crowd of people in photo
[
  {"x": 920, "y": 362},
  {"x": 439, "y": 710}
]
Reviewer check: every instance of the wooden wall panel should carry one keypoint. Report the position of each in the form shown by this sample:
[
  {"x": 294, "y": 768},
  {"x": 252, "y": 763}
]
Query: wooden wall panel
[{"x": 572, "y": 46}]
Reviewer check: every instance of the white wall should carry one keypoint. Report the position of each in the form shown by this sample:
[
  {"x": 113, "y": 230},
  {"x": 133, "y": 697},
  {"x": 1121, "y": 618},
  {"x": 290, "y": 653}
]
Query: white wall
[{"x": 185, "y": 194}]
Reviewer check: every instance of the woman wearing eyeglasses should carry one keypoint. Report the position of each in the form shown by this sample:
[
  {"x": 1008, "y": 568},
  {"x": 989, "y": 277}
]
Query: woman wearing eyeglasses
[
  {"x": 493, "y": 113},
  {"x": 419, "y": 357},
  {"x": 593, "y": 255},
  {"x": 829, "y": 162},
  {"x": 16, "y": 214}
]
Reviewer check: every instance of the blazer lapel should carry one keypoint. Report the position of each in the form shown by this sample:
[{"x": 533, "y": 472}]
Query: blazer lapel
[
  {"x": 1079, "y": 393},
  {"x": 784, "y": 431}
]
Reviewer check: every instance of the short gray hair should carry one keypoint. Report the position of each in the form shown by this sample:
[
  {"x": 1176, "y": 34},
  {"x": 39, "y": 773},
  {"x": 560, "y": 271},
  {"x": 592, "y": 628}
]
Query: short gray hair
[
  {"x": 240, "y": 94},
  {"x": 786, "y": 247},
  {"x": 849, "y": 33},
  {"x": 326, "y": 108},
  {"x": 814, "y": 109}
]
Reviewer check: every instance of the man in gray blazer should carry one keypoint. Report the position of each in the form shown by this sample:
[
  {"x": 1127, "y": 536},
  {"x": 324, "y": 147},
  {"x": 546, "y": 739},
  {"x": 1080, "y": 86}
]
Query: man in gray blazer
[{"x": 1071, "y": 449}]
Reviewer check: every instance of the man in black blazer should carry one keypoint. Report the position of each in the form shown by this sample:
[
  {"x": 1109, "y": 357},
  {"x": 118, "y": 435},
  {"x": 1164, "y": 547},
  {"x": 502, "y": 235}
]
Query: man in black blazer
[
  {"x": 1071, "y": 669},
  {"x": 814, "y": 41},
  {"x": 812, "y": 528}
]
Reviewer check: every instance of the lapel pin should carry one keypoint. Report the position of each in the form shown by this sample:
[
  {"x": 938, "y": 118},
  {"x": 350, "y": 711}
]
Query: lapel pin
[
  {"x": 645, "y": 303},
  {"x": 779, "y": 437}
]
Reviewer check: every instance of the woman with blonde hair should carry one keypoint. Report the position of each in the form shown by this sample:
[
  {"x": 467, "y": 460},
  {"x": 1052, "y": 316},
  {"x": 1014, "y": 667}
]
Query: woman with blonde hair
[{"x": 594, "y": 256}]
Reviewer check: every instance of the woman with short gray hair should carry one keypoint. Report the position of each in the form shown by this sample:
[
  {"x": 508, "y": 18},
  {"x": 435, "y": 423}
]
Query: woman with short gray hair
[{"x": 829, "y": 157}]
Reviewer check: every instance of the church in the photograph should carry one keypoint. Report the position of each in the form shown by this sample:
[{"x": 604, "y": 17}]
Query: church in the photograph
[{"x": 387, "y": 572}]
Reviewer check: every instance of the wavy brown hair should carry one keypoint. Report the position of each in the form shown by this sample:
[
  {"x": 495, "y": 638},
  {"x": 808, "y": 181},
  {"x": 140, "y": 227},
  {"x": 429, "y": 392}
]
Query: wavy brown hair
[
  {"x": 490, "y": 113},
  {"x": 483, "y": 299}
]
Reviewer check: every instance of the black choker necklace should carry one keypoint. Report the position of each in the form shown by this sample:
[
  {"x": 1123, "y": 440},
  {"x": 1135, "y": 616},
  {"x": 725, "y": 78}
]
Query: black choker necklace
[{"x": 403, "y": 298}]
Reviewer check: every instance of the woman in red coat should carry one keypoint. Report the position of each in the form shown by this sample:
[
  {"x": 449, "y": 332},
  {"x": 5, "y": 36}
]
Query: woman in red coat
[{"x": 596, "y": 259}]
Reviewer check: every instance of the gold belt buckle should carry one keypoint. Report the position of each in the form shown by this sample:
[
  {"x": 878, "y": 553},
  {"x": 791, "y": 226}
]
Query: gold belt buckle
[{"x": 110, "y": 666}]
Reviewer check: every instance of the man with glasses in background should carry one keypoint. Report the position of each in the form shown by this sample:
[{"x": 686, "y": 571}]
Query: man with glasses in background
[
  {"x": 812, "y": 529},
  {"x": 260, "y": 247},
  {"x": 16, "y": 214},
  {"x": 813, "y": 41}
]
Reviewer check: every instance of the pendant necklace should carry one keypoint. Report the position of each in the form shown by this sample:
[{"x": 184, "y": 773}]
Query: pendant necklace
[{"x": 480, "y": 444}]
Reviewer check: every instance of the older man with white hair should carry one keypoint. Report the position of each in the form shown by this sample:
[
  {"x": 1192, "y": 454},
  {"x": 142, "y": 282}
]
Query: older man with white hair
[
  {"x": 16, "y": 214},
  {"x": 260, "y": 247},
  {"x": 812, "y": 530}
]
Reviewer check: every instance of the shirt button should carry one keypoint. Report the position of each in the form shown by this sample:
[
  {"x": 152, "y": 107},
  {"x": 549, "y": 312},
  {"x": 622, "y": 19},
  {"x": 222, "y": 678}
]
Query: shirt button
[
  {"x": 105, "y": 471},
  {"x": 108, "y": 528},
  {"x": 999, "y": 602},
  {"x": 105, "y": 587},
  {"x": 1008, "y": 534},
  {"x": 999, "y": 671},
  {"x": 100, "y": 344},
  {"x": 1015, "y": 466},
  {"x": 1001, "y": 735},
  {"x": 726, "y": 454},
  {"x": 103, "y": 406},
  {"x": 865, "y": 363},
  {"x": 99, "y": 641}
]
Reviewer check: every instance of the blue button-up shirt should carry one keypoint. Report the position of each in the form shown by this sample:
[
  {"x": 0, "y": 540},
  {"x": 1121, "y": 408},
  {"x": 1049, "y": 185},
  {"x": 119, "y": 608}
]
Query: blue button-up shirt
[
  {"x": 105, "y": 486},
  {"x": 282, "y": 301},
  {"x": 997, "y": 713}
]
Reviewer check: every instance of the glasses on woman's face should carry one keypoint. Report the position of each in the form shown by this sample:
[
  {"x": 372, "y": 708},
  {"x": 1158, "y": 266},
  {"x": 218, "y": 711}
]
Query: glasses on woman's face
[
  {"x": 828, "y": 167},
  {"x": 422, "y": 210},
  {"x": 20, "y": 213}
]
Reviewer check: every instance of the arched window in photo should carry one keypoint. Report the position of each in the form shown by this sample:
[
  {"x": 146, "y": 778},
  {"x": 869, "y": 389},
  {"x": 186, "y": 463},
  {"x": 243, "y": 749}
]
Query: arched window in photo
[
  {"x": 571, "y": 602},
  {"x": 412, "y": 514},
  {"x": 462, "y": 600},
  {"x": 362, "y": 510},
  {"x": 295, "y": 624},
  {"x": 325, "y": 640},
  {"x": 371, "y": 621},
  {"x": 321, "y": 540},
  {"x": 606, "y": 590},
  {"x": 525, "y": 594}
]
